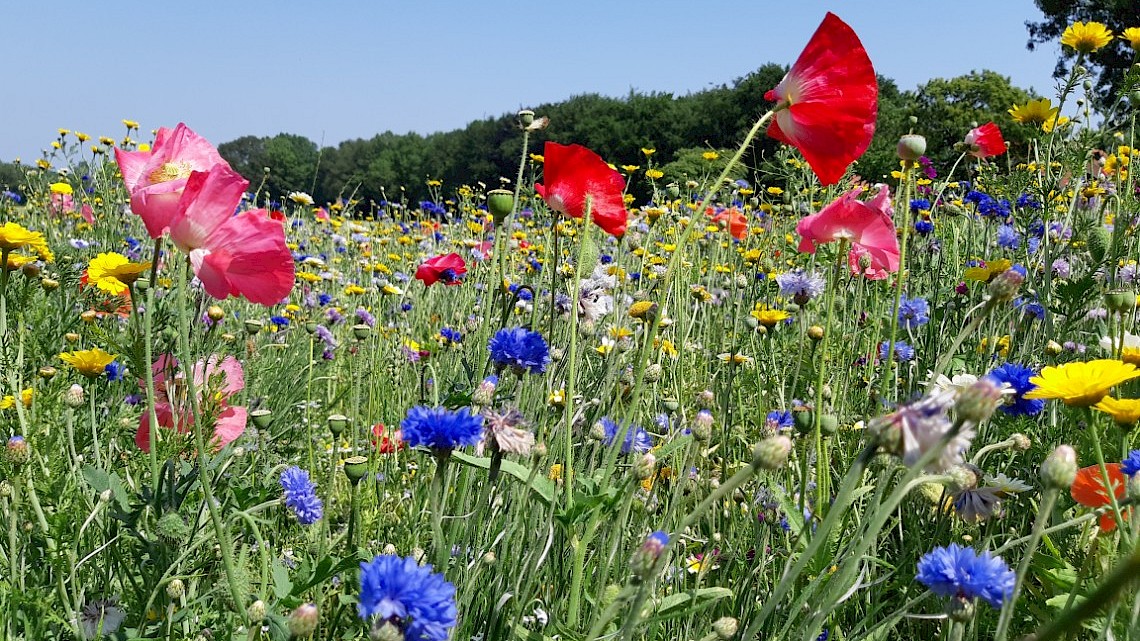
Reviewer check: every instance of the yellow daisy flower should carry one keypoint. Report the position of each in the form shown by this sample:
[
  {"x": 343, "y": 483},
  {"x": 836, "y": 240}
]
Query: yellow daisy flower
[
  {"x": 1081, "y": 384},
  {"x": 89, "y": 362},
  {"x": 113, "y": 272},
  {"x": 1124, "y": 412},
  {"x": 1086, "y": 37},
  {"x": 1034, "y": 112},
  {"x": 63, "y": 189},
  {"x": 1132, "y": 35},
  {"x": 14, "y": 236},
  {"x": 769, "y": 317}
]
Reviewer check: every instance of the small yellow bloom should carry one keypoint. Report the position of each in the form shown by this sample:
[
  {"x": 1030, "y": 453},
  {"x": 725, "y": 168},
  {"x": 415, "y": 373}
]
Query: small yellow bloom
[
  {"x": 113, "y": 272},
  {"x": 1081, "y": 384},
  {"x": 62, "y": 189},
  {"x": 1056, "y": 122},
  {"x": 1124, "y": 412},
  {"x": 643, "y": 309},
  {"x": 769, "y": 317},
  {"x": 710, "y": 155},
  {"x": 354, "y": 290},
  {"x": 1034, "y": 112},
  {"x": 144, "y": 147},
  {"x": 1086, "y": 37},
  {"x": 537, "y": 158},
  {"x": 648, "y": 151},
  {"x": 775, "y": 191},
  {"x": 630, "y": 168},
  {"x": 654, "y": 174},
  {"x": 130, "y": 124},
  {"x": 1132, "y": 35},
  {"x": 88, "y": 362}
]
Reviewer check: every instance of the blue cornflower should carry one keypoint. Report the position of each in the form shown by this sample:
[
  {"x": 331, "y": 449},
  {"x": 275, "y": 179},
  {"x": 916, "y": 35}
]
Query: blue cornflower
[
  {"x": 440, "y": 428},
  {"x": 1017, "y": 377},
  {"x": 1030, "y": 307},
  {"x": 904, "y": 353},
  {"x": 300, "y": 495},
  {"x": 401, "y": 592},
  {"x": 913, "y": 312},
  {"x": 114, "y": 371},
  {"x": 957, "y": 571},
  {"x": 923, "y": 227},
  {"x": 800, "y": 286},
  {"x": 324, "y": 299},
  {"x": 1131, "y": 463},
  {"x": 636, "y": 439},
  {"x": 1025, "y": 200},
  {"x": 451, "y": 335},
  {"x": 919, "y": 204},
  {"x": 279, "y": 321},
  {"x": 520, "y": 349},
  {"x": 778, "y": 420},
  {"x": 1008, "y": 237}
]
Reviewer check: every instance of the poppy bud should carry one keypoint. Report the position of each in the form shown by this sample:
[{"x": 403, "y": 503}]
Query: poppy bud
[
  {"x": 303, "y": 621},
  {"x": 1060, "y": 468},
  {"x": 772, "y": 453},
  {"x": 500, "y": 202},
  {"x": 911, "y": 147},
  {"x": 1099, "y": 241},
  {"x": 725, "y": 628}
]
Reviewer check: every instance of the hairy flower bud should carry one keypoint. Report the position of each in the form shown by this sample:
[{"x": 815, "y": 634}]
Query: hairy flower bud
[
  {"x": 1060, "y": 468},
  {"x": 73, "y": 397},
  {"x": 257, "y": 612},
  {"x": 772, "y": 452},
  {"x": 1004, "y": 287},
  {"x": 911, "y": 147},
  {"x": 645, "y": 556},
  {"x": 702, "y": 426},
  {"x": 978, "y": 402},
  {"x": 646, "y": 466},
  {"x": 303, "y": 621},
  {"x": 175, "y": 589},
  {"x": 725, "y": 628}
]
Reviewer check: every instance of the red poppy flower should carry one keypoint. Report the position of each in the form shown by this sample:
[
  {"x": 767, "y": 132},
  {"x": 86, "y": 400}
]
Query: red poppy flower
[
  {"x": 867, "y": 226},
  {"x": 386, "y": 444},
  {"x": 830, "y": 99},
  {"x": 735, "y": 221},
  {"x": 1088, "y": 490},
  {"x": 279, "y": 216},
  {"x": 985, "y": 141},
  {"x": 449, "y": 269},
  {"x": 573, "y": 173}
]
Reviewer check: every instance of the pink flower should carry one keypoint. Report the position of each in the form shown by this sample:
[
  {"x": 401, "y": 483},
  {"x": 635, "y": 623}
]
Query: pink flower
[
  {"x": 156, "y": 178},
  {"x": 61, "y": 204},
  {"x": 215, "y": 382},
  {"x": 985, "y": 141},
  {"x": 232, "y": 254},
  {"x": 448, "y": 269},
  {"x": 88, "y": 214},
  {"x": 866, "y": 225}
]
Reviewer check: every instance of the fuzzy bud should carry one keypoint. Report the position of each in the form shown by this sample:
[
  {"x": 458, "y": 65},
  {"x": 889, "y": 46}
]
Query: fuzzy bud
[
  {"x": 646, "y": 466},
  {"x": 725, "y": 628},
  {"x": 815, "y": 332},
  {"x": 73, "y": 397},
  {"x": 978, "y": 402},
  {"x": 303, "y": 621},
  {"x": 706, "y": 399},
  {"x": 1021, "y": 442},
  {"x": 702, "y": 426},
  {"x": 653, "y": 373},
  {"x": 385, "y": 630},
  {"x": 18, "y": 451},
  {"x": 645, "y": 556},
  {"x": 772, "y": 453},
  {"x": 175, "y": 589},
  {"x": 1004, "y": 287},
  {"x": 485, "y": 393},
  {"x": 257, "y": 612},
  {"x": 960, "y": 609},
  {"x": 1060, "y": 468},
  {"x": 1052, "y": 348},
  {"x": 598, "y": 432}
]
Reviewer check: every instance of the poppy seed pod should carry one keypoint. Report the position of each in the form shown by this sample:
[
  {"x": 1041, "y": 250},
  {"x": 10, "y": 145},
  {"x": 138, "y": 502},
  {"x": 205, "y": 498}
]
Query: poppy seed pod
[
  {"x": 500, "y": 202},
  {"x": 911, "y": 147},
  {"x": 526, "y": 117}
]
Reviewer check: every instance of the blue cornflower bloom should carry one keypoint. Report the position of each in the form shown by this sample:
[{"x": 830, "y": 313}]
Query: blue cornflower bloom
[
  {"x": 440, "y": 428},
  {"x": 279, "y": 321},
  {"x": 913, "y": 312},
  {"x": 778, "y": 420},
  {"x": 324, "y": 299},
  {"x": 451, "y": 335},
  {"x": 904, "y": 353},
  {"x": 636, "y": 439},
  {"x": 1008, "y": 237},
  {"x": 1017, "y": 377},
  {"x": 114, "y": 371},
  {"x": 1131, "y": 464},
  {"x": 1030, "y": 307},
  {"x": 520, "y": 349},
  {"x": 1025, "y": 200},
  {"x": 924, "y": 227},
  {"x": 300, "y": 495},
  {"x": 800, "y": 286},
  {"x": 957, "y": 571},
  {"x": 401, "y": 592},
  {"x": 919, "y": 204}
]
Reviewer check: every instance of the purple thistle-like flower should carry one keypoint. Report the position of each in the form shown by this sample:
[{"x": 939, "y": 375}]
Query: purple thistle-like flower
[
  {"x": 420, "y": 603},
  {"x": 957, "y": 571},
  {"x": 300, "y": 495}
]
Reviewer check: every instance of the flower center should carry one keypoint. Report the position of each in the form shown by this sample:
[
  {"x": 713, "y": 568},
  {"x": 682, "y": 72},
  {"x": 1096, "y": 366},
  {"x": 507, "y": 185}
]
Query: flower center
[{"x": 170, "y": 171}]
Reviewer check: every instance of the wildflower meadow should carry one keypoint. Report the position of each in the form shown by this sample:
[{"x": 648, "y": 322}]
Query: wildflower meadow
[{"x": 769, "y": 402}]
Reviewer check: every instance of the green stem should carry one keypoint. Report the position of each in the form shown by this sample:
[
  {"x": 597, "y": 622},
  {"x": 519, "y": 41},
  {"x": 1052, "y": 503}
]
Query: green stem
[
  {"x": 885, "y": 378},
  {"x": 1069, "y": 621},
  {"x": 148, "y": 354},
  {"x": 823, "y": 467},
  {"x": 438, "y": 487},
  {"x": 1043, "y": 515}
]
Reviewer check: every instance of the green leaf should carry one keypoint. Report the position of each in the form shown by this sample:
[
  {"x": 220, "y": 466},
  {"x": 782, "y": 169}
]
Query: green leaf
[
  {"x": 96, "y": 478},
  {"x": 686, "y": 603},
  {"x": 542, "y": 487},
  {"x": 282, "y": 585}
]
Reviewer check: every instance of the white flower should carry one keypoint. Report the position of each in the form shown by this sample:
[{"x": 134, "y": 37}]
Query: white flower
[
  {"x": 1111, "y": 343},
  {"x": 301, "y": 198}
]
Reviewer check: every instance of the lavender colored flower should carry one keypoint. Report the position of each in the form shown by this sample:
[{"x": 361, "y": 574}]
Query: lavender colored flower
[
  {"x": 1061, "y": 268},
  {"x": 913, "y": 312},
  {"x": 1008, "y": 237},
  {"x": 300, "y": 495},
  {"x": 800, "y": 286},
  {"x": 636, "y": 440},
  {"x": 920, "y": 426},
  {"x": 364, "y": 317},
  {"x": 957, "y": 571}
]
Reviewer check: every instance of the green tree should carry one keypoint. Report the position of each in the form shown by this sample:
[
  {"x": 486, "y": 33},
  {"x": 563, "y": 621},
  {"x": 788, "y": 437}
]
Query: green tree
[{"x": 1109, "y": 64}]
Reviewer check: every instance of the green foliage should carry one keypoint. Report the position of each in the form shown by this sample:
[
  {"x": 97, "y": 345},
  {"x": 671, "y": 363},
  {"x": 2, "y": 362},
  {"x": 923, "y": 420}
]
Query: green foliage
[{"x": 1109, "y": 63}]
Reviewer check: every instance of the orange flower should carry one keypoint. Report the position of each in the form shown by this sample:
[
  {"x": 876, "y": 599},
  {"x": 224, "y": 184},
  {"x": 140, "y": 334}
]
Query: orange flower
[
  {"x": 1088, "y": 490},
  {"x": 733, "y": 220}
]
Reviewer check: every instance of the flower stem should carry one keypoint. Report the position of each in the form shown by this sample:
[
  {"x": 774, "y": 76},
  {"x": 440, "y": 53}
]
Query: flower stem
[
  {"x": 884, "y": 379},
  {"x": 1043, "y": 515},
  {"x": 438, "y": 487}
]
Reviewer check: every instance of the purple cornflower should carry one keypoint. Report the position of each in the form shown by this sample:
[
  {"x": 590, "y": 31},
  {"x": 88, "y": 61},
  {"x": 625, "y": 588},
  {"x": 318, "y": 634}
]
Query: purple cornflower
[
  {"x": 364, "y": 317},
  {"x": 957, "y": 571},
  {"x": 800, "y": 286},
  {"x": 300, "y": 495},
  {"x": 913, "y": 312}
]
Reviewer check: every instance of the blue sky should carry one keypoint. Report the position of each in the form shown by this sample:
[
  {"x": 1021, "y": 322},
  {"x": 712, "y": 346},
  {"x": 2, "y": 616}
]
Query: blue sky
[{"x": 339, "y": 70}]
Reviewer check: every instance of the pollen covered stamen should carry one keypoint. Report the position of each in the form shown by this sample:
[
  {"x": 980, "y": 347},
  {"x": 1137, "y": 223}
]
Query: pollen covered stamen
[{"x": 170, "y": 171}]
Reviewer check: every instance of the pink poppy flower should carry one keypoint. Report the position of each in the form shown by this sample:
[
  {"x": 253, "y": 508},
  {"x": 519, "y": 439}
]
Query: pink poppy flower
[
  {"x": 232, "y": 254},
  {"x": 156, "y": 178},
  {"x": 61, "y": 204},
  {"x": 985, "y": 141},
  {"x": 830, "y": 99},
  {"x": 573, "y": 173},
  {"x": 866, "y": 225},
  {"x": 88, "y": 214},
  {"x": 448, "y": 269},
  {"x": 215, "y": 381}
]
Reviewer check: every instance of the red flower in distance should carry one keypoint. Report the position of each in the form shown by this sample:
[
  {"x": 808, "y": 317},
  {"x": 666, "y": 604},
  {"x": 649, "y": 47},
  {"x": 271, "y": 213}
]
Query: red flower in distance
[
  {"x": 1088, "y": 490},
  {"x": 449, "y": 269},
  {"x": 830, "y": 98},
  {"x": 387, "y": 442},
  {"x": 573, "y": 173},
  {"x": 734, "y": 221},
  {"x": 985, "y": 141}
]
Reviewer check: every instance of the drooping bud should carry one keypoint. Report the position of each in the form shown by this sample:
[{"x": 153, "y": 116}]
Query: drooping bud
[
  {"x": 1005, "y": 285},
  {"x": 978, "y": 402},
  {"x": 1060, "y": 468},
  {"x": 303, "y": 621},
  {"x": 645, "y": 556}
]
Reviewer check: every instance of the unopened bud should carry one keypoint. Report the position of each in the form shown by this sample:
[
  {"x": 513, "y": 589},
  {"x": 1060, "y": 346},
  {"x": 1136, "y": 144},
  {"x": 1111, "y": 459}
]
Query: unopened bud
[
  {"x": 653, "y": 373},
  {"x": 303, "y": 621},
  {"x": 598, "y": 432},
  {"x": 215, "y": 313},
  {"x": 702, "y": 426},
  {"x": 646, "y": 466},
  {"x": 17, "y": 450},
  {"x": 1021, "y": 442},
  {"x": 485, "y": 393},
  {"x": 725, "y": 628},
  {"x": 175, "y": 589},
  {"x": 384, "y": 630},
  {"x": 1005, "y": 285},
  {"x": 815, "y": 332},
  {"x": 645, "y": 556},
  {"x": 73, "y": 397},
  {"x": 978, "y": 402},
  {"x": 257, "y": 612},
  {"x": 1052, "y": 348},
  {"x": 706, "y": 399},
  {"x": 1060, "y": 468},
  {"x": 772, "y": 452},
  {"x": 911, "y": 147}
]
